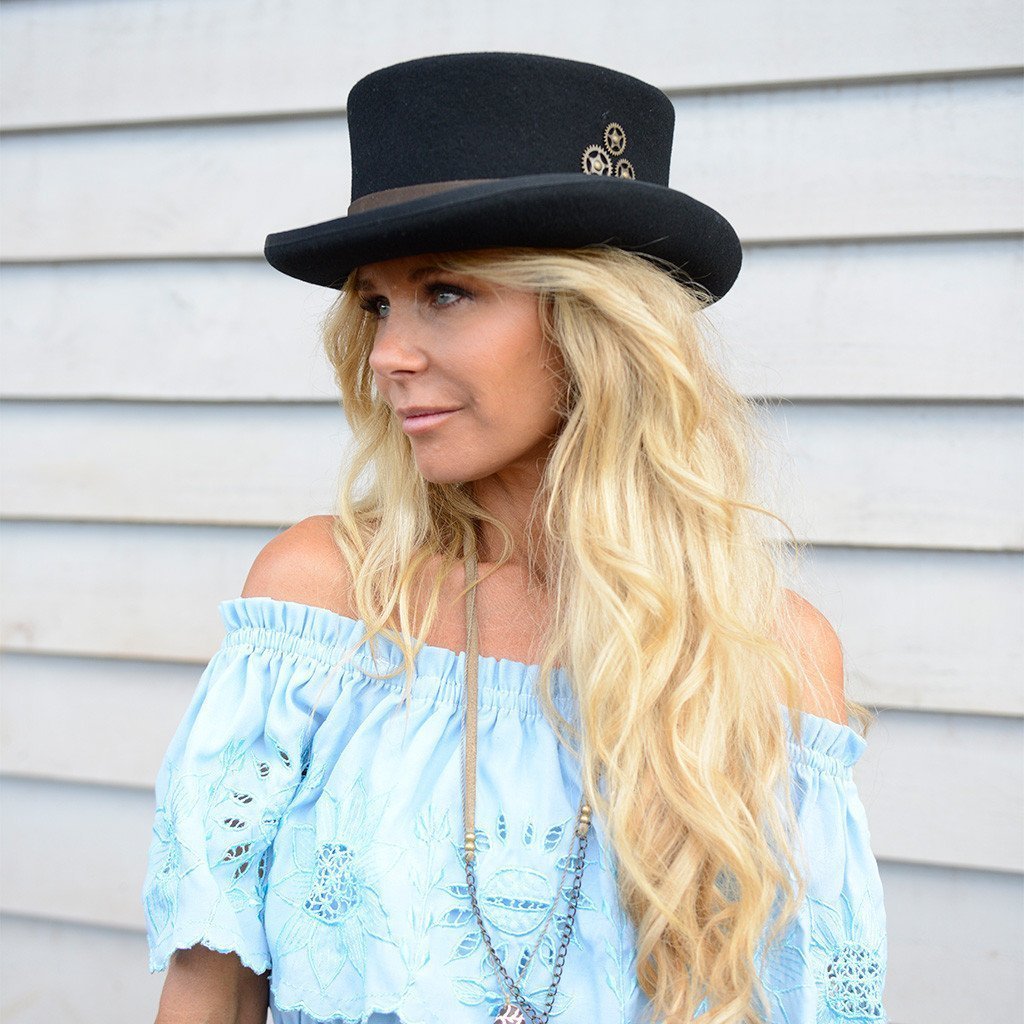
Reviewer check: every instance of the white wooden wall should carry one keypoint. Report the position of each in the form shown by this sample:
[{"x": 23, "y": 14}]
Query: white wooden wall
[{"x": 166, "y": 409}]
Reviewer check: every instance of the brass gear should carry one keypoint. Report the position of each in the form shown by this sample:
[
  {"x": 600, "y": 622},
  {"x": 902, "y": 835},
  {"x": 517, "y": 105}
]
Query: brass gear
[{"x": 597, "y": 160}]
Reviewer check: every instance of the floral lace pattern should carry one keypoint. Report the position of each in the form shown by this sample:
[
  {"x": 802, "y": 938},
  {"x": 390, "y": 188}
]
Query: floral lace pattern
[
  {"x": 240, "y": 802},
  {"x": 847, "y": 961},
  {"x": 839, "y": 970},
  {"x": 334, "y": 883},
  {"x": 292, "y": 829}
]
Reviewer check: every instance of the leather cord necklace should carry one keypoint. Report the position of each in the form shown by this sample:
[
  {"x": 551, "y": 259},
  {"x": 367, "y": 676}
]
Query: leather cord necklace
[{"x": 517, "y": 1008}]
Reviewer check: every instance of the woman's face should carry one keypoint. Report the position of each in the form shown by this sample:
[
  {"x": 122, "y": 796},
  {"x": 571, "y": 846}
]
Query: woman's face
[{"x": 451, "y": 342}]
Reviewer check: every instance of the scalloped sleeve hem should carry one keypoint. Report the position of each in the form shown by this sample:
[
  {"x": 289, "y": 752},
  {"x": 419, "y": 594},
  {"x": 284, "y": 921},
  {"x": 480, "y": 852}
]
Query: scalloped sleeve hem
[{"x": 234, "y": 765}]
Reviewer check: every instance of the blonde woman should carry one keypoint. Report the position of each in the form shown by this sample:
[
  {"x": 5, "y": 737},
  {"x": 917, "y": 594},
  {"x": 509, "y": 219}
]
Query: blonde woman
[{"x": 528, "y": 728}]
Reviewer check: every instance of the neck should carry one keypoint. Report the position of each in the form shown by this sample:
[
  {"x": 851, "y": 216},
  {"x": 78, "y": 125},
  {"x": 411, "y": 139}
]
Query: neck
[{"x": 511, "y": 506}]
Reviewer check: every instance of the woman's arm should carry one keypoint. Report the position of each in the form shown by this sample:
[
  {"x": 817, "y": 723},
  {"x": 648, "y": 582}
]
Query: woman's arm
[{"x": 205, "y": 987}]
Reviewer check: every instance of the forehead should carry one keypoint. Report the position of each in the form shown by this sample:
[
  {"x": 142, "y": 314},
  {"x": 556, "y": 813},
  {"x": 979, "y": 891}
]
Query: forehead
[{"x": 405, "y": 268}]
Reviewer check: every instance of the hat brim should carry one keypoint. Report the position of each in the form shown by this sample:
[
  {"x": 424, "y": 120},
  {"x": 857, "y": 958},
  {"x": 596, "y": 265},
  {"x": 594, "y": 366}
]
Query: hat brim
[{"x": 543, "y": 211}]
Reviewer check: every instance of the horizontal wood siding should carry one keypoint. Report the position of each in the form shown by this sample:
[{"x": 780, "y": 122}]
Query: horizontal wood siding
[
  {"x": 97, "y": 967},
  {"x": 843, "y": 320},
  {"x": 847, "y": 161},
  {"x": 213, "y": 58},
  {"x": 167, "y": 407},
  {"x": 949, "y": 640},
  {"x": 203, "y": 463}
]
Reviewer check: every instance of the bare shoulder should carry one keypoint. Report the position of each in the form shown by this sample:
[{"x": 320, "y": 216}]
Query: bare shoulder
[
  {"x": 821, "y": 658},
  {"x": 303, "y": 564}
]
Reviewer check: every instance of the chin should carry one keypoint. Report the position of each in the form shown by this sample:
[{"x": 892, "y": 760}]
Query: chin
[{"x": 444, "y": 475}]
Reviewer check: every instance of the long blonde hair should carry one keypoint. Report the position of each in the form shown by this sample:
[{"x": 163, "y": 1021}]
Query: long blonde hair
[{"x": 667, "y": 606}]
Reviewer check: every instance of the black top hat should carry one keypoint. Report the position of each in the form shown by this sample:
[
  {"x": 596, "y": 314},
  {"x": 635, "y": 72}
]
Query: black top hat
[{"x": 481, "y": 150}]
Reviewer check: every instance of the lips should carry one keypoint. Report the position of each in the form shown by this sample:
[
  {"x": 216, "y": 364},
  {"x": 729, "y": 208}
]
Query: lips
[
  {"x": 426, "y": 421},
  {"x": 423, "y": 410}
]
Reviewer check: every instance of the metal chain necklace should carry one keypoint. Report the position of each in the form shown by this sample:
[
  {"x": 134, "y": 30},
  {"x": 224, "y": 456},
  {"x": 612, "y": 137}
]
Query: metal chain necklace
[{"x": 517, "y": 1009}]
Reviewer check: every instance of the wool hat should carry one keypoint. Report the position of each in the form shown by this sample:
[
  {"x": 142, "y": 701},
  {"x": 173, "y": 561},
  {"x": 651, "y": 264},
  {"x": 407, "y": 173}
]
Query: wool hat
[{"x": 482, "y": 150}]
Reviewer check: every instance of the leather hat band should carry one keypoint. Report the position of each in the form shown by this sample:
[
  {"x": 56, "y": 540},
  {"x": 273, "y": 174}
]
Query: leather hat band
[{"x": 391, "y": 196}]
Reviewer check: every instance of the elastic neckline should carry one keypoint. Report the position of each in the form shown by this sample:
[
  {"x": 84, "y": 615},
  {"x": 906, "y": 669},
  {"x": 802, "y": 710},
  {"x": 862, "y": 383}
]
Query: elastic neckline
[
  {"x": 319, "y": 621},
  {"x": 330, "y": 636}
]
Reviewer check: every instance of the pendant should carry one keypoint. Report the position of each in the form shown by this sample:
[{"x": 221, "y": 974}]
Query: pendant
[{"x": 510, "y": 1014}]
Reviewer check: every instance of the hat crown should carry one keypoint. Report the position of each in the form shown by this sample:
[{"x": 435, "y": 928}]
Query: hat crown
[{"x": 472, "y": 116}]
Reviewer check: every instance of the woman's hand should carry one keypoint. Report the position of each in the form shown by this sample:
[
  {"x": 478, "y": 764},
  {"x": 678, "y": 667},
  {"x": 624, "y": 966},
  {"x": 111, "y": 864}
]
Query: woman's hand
[{"x": 206, "y": 987}]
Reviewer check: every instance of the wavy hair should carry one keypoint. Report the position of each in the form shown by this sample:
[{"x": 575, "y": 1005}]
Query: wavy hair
[{"x": 667, "y": 607}]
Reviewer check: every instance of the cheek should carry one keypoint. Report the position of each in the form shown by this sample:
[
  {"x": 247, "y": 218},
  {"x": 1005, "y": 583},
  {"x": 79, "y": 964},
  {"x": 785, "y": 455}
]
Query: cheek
[
  {"x": 547, "y": 372},
  {"x": 521, "y": 385},
  {"x": 528, "y": 400}
]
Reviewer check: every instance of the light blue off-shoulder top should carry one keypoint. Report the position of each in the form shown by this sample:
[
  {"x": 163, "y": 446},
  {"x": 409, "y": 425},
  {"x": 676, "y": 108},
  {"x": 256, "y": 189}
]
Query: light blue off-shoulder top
[{"x": 304, "y": 824}]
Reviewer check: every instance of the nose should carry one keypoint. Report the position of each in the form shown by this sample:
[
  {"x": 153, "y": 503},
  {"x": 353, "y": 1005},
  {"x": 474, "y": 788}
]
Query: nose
[{"x": 398, "y": 345}]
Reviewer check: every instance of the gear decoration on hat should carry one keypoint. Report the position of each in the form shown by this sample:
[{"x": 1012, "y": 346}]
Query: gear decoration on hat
[
  {"x": 599, "y": 159},
  {"x": 615, "y": 139}
]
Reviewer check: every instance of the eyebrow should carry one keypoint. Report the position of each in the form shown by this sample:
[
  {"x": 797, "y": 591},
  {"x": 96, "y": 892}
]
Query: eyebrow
[{"x": 414, "y": 275}]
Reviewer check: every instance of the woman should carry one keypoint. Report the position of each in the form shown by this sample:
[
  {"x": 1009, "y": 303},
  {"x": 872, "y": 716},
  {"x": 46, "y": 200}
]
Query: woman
[{"x": 545, "y": 554}]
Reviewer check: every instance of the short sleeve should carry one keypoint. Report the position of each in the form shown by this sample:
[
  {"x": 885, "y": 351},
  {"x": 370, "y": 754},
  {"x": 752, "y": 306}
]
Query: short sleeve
[
  {"x": 233, "y": 767},
  {"x": 832, "y": 966}
]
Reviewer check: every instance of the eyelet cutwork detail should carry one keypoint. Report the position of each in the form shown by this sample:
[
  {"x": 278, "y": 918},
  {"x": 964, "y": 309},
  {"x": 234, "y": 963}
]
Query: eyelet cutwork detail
[
  {"x": 240, "y": 829},
  {"x": 844, "y": 964},
  {"x": 853, "y": 982},
  {"x": 598, "y": 159},
  {"x": 334, "y": 892},
  {"x": 334, "y": 885}
]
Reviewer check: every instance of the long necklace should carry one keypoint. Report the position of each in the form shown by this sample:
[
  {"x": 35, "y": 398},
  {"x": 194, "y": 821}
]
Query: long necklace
[{"x": 517, "y": 1009}]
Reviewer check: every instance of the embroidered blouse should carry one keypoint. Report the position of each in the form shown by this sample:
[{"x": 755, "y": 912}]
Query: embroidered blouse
[{"x": 304, "y": 826}]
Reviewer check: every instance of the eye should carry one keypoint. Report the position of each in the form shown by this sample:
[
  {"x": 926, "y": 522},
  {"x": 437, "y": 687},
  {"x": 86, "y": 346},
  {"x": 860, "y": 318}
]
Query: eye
[
  {"x": 435, "y": 289},
  {"x": 370, "y": 305}
]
